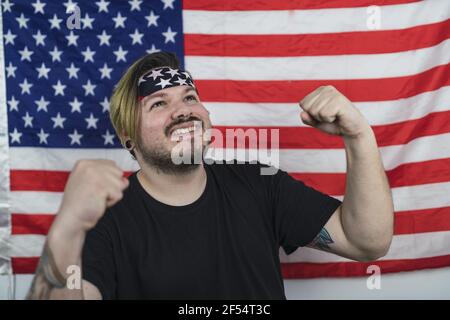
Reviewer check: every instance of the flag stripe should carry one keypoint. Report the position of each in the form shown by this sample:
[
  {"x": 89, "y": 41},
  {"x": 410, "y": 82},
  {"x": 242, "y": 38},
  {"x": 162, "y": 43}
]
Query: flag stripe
[
  {"x": 291, "y": 160},
  {"x": 239, "y": 5},
  {"x": 407, "y": 174},
  {"x": 406, "y": 222},
  {"x": 374, "y": 66},
  {"x": 402, "y": 247},
  {"x": 287, "y": 114},
  {"x": 407, "y": 198},
  {"x": 358, "y": 269},
  {"x": 387, "y": 135},
  {"x": 312, "y": 21},
  {"x": 330, "y": 183},
  {"x": 384, "y": 41},
  {"x": 355, "y": 90}
]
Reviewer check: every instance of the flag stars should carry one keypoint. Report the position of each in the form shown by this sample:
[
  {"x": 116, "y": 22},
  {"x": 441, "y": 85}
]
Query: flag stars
[
  {"x": 105, "y": 104},
  {"x": 88, "y": 55},
  {"x": 119, "y": 21},
  {"x": 73, "y": 71},
  {"x": 42, "y": 104},
  {"x": 163, "y": 83},
  {"x": 22, "y": 21},
  {"x": 136, "y": 37},
  {"x": 11, "y": 71},
  {"x": 153, "y": 49},
  {"x": 102, "y": 6},
  {"x": 25, "y": 54},
  {"x": 152, "y": 19},
  {"x": 169, "y": 35},
  {"x": 87, "y": 22},
  {"x": 55, "y": 22},
  {"x": 135, "y": 5},
  {"x": 38, "y": 7},
  {"x": 43, "y": 71},
  {"x": 58, "y": 121},
  {"x": 15, "y": 136},
  {"x": 59, "y": 88},
  {"x": 104, "y": 38},
  {"x": 14, "y": 104},
  {"x": 28, "y": 120},
  {"x": 9, "y": 37},
  {"x": 76, "y": 105},
  {"x": 91, "y": 122},
  {"x": 25, "y": 86},
  {"x": 75, "y": 137},
  {"x": 7, "y": 6},
  {"x": 108, "y": 137},
  {"x": 70, "y": 6},
  {"x": 120, "y": 54},
  {"x": 105, "y": 72},
  {"x": 72, "y": 39},
  {"x": 89, "y": 88},
  {"x": 39, "y": 38},
  {"x": 43, "y": 137},
  {"x": 56, "y": 54},
  {"x": 168, "y": 4}
]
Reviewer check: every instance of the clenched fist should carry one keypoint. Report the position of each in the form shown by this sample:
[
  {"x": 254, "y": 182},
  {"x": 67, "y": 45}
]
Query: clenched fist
[
  {"x": 92, "y": 186},
  {"x": 330, "y": 111}
]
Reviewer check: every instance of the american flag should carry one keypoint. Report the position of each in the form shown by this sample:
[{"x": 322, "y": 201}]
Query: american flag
[{"x": 252, "y": 60}]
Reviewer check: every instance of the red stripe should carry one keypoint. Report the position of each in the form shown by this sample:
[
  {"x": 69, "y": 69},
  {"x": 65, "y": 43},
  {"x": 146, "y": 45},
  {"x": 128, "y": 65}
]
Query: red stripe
[
  {"x": 40, "y": 180},
  {"x": 406, "y": 222},
  {"x": 311, "y": 138},
  {"x": 304, "y": 270},
  {"x": 31, "y": 223},
  {"x": 408, "y": 174},
  {"x": 432, "y": 171},
  {"x": 293, "y": 91},
  {"x": 358, "y": 269},
  {"x": 420, "y": 221},
  {"x": 316, "y": 44},
  {"x": 239, "y": 5}
]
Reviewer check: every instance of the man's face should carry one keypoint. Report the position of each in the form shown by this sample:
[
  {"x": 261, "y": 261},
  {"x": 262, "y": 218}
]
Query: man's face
[{"x": 170, "y": 118}]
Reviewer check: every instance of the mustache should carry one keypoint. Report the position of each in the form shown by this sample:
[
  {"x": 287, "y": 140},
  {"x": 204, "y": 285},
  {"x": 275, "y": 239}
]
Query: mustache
[{"x": 180, "y": 121}]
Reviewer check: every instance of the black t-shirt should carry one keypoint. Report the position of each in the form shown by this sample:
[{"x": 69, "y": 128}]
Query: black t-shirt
[{"x": 224, "y": 245}]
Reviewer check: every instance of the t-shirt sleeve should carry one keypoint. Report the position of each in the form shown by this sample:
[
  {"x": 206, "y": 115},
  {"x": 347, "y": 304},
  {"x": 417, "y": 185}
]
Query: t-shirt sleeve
[
  {"x": 98, "y": 265},
  {"x": 300, "y": 211}
]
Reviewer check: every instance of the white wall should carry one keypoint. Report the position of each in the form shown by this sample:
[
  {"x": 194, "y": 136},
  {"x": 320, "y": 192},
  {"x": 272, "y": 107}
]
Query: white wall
[{"x": 426, "y": 284}]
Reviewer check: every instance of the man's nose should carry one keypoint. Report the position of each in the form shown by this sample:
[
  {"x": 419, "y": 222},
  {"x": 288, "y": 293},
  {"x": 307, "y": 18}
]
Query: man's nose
[{"x": 181, "y": 112}]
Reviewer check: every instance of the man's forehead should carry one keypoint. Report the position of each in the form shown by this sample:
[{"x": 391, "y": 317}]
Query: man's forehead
[{"x": 170, "y": 91}]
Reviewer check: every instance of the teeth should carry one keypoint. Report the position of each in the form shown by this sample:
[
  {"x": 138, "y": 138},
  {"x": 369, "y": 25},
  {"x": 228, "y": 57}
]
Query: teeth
[{"x": 183, "y": 131}]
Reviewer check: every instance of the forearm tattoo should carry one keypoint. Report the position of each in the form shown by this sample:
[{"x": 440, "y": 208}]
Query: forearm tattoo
[
  {"x": 47, "y": 277},
  {"x": 322, "y": 240}
]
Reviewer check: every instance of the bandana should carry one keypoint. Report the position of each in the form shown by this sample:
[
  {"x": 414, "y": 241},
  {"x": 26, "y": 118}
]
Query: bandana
[{"x": 162, "y": 78}]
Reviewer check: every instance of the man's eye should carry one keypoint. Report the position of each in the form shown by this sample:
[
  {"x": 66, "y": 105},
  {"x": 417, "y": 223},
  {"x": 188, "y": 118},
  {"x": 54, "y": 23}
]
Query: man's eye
[
  {"x": 191, "y": 98},
  {"x": 157, "y": 104}
]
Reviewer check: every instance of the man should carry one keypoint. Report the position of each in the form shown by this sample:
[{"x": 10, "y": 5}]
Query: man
[{"x": 198, "y": 230}]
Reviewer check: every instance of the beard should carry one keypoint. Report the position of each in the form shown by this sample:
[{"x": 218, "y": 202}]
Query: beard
[{"x": 159, "y": 157}]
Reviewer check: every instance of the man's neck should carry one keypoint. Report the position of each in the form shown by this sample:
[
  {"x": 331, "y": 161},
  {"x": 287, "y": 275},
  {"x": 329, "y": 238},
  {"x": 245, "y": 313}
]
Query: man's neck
[{"x": 173, "y": 189}]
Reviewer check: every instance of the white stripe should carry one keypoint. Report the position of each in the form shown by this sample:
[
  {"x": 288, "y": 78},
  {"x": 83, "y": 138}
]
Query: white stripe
[
  {"x": 60, "y": 159},
  {"x": 288, "y": 114},
  {"x": 313, "y": 21},
  {"x": 418, "y": 197},
  {"x": 34, "y": 202},
  {"x": 291, "y": 160},
  {"x": 358, "y": 66},
  {"x": 408, "y": 246},
  {"x": 333, "y": 160}
]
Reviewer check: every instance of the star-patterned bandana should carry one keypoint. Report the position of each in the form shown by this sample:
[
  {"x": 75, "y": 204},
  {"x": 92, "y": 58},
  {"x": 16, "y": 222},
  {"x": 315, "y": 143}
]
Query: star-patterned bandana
[{"x": 162, "y": 78}]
